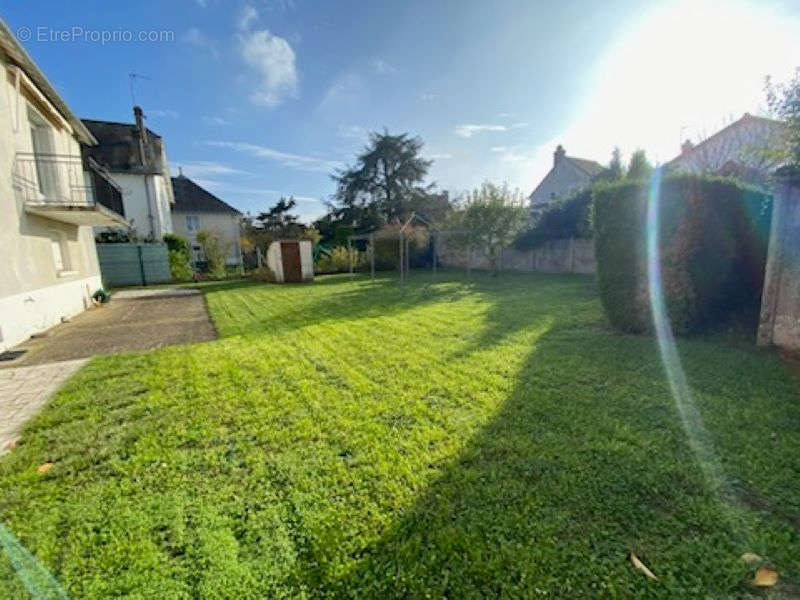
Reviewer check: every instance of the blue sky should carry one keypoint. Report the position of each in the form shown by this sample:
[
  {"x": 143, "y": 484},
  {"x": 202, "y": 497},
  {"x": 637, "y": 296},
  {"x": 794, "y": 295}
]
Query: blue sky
[{"x": 258, "y": 99}]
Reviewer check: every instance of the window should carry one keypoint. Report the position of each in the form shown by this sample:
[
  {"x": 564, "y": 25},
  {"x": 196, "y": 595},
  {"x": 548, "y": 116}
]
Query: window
[
  {"x": 192, "y": 222},
  {"x": 60, "y": 249},
  {"x": 44, "y": 155}
]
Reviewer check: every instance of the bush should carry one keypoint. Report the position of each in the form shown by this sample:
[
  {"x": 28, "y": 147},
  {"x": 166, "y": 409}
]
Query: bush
[
  {"x": 264, "y": 273},
  {"x": 215, "y": 251},
  {"x": 176, "y": 243},
  {"x": 567, "y": 218},
  {"x": 713, "y": 241},
  {"x": 338, "y": 261},
  {"x": 179, "y": 266}
]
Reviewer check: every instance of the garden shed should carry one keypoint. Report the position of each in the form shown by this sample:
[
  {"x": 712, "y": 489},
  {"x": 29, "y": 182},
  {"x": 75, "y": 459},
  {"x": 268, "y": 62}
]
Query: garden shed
[{"x": 291, "y": 260}]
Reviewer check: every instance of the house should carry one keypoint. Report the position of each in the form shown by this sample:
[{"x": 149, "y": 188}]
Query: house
[
  {"x": 137, "y": 161},
  {"x": 197, "y": 209},
  {"x": 742, "y": 149},
  {"x": 50, "y": 198},
  {"x": 568, "y": 174}
]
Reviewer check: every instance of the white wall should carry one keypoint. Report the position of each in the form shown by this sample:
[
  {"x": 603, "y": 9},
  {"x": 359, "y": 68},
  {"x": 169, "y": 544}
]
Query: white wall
[
  {"x": 134, "y": 199},
  {"x": 275, "y": 260},
  {"x": 227, "y": 225},
  {"x": 34, "y": 294}
]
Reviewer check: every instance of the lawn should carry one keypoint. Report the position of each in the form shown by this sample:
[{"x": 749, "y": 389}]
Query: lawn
[{"x": 457, "y": 437}]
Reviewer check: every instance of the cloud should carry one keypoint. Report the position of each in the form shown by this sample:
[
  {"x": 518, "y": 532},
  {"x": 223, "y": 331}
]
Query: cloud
[
  {"x": 204, "y": 168},
  {"x": 287, "y": 159},
  {"x": 196, "y": 38},
  {"x": 165, "y": 113},
  {"x": 246, "y": 17},
  {"x": 498, "y": 148},
  {"x": 439, "y": 156},
  {"x": 382, "y": 67},
  {"x": 344, "y": 94},
  {"x": 353, "y": 132},
  {"x": 468, "y": 130},
  {"x": 216, "y": 120},
  {"x": 427, "y": 97},
  {"x": 272, "y": 57}
]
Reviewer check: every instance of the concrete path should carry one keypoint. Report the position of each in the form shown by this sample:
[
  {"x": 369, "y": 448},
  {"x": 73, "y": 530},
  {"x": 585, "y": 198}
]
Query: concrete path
[{"x": 25, "y": 390}]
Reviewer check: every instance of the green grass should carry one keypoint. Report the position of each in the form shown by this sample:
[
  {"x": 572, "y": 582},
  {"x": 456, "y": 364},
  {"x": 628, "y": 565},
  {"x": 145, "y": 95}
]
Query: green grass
[{"x": 454, "y": 438}]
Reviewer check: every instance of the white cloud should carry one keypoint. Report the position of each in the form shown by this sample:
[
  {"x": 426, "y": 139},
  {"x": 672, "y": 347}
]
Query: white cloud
[
  {"x": 246, "y": 17},
  {"x": 165, "y": 113},
  {"x": 439, "y": 156},
  {"x": 196, "y": 38},
  {"x": 272, "y": 57},
  {"x": 468, "y": 130},
  {"x": 287, "y": 159},
  {"x": 204, "y": 168},
  {"x": 353, "y": 132},
  {"x": 382, "y": 67},
  {"x": 427, "y": 97},
  {"x": 216, "y": 120},
  {"x": 498, "y": 148},
  {"x": 346, "y": 93}
]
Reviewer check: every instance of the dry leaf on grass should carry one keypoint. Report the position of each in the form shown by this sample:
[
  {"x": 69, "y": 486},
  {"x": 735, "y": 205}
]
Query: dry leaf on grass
[
  {"x": 44, "y": 468},
  {"x": 765, "y": 577},
  {"x": 10, "y": 444},
  {"x": 751, "y": 558},
  {"x": 641, "y": 566}
]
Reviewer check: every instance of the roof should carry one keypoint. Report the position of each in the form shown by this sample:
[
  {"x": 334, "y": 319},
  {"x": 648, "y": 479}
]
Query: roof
[
  {"x": 746, "y": 117},
  {"x": 591, "y": 167},
  {"x": 117, "y": 147},
  {"x": 18, "y": 56},
  {"x": 190, "y": 197}
]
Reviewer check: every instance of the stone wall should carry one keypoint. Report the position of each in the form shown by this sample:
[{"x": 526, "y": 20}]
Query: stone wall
[
  {"x": 559, "y": 256},
  {"x": 780, "y": 305}
]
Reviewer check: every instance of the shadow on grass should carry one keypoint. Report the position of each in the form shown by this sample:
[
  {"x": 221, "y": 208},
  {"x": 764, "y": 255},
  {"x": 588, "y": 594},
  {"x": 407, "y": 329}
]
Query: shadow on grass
[{"x": 585, "y": 462}]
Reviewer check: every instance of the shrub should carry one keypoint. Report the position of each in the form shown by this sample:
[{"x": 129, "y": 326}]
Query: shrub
[
  {"x": 179, "y": 266},
  {"x": 215, "y": 250},
  {"x": 338, "y": 261},
  {"x": 712, "y": 236},
  {"x": 567, "y": 218},
  {"x": 265, "y": 274}
]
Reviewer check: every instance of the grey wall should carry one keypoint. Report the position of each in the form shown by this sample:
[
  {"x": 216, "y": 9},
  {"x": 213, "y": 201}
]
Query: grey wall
[
  {"x": 780, "y": 305},
  {"x": 559, "y": 256}
]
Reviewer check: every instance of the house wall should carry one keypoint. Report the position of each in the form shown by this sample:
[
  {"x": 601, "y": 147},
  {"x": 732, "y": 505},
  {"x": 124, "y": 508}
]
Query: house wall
[
  {"x": 562, "y": 179},
  {"x": 134, "y": 199},
  {"x": 227, "y": 225},
  {"x": 34, "y": 295}
]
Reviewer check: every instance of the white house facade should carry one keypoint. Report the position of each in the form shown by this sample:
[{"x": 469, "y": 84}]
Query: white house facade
[
  {"x": 49, "y": 200},
  {"x": 196, "y": 209},
  {"x": 136, "y": 159},
  {"x": 743, "y": 148},
  {"x": 568, "y": 175}
]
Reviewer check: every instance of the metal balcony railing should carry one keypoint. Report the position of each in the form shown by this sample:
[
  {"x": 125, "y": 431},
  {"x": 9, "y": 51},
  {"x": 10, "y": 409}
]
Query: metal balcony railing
[{"x": 62, "y": 180}]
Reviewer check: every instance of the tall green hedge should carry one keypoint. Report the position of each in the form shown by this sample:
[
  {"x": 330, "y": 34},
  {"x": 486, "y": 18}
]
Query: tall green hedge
[
  {"x": 713, "y": 243},
  {"x": 564, "y": 219}
]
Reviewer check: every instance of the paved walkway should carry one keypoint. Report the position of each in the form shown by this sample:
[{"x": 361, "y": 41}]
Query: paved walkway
[{"x": 24, "y": 390}]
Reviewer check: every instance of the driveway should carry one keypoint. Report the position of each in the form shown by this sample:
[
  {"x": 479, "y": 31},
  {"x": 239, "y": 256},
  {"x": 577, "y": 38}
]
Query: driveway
[{"x": 133, "y": 320}]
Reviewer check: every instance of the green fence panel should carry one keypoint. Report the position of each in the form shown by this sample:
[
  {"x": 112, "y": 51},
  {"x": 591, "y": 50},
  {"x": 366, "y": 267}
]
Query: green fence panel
[{"x": 133, "y": 264}]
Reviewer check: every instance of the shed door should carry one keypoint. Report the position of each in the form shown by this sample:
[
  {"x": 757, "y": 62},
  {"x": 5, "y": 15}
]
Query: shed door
[{"x": 290, "y": 257}]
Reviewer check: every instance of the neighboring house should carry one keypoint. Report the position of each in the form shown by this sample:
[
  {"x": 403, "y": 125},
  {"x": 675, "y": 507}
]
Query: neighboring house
[
  {"x": 197, "y": 209},
  {"x": 742, "y": 149},
  {"x": 569, "y": 174},
  {"x": 137, "y": 161},
  {"x": 48, "y": 265}
]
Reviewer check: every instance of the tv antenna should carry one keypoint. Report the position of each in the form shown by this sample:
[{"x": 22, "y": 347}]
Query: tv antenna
[{"x": 133, "y": 77}]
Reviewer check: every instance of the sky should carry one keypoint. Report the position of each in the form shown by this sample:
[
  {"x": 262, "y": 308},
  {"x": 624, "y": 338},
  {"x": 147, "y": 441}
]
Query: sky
[{"x": 258, "y": 99}]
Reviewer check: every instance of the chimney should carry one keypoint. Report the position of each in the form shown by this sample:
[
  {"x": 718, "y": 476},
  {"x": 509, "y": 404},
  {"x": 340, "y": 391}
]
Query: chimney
[
  {"x": 142, "y": 133},
  {"x": 558, "y": 154},
  {"x": 686, "y": 147}
]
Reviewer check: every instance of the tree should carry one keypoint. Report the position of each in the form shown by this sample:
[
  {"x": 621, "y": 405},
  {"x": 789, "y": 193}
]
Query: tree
[
  {"x": 639, "y": 167},
  {"x": 615, "y": 168},
  {"x": 275, "y": 224},
  {"x": 387, "y": 175},
  {"x": 492, "y": 217},
  {"x": 783, "y": 100},
  {"x": 215, "y": 251}
]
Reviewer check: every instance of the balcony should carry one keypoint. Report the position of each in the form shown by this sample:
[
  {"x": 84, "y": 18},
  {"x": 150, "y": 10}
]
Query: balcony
[{"x": 61, "y": 187}]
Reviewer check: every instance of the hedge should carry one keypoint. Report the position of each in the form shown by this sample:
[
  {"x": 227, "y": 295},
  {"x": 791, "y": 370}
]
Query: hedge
[
  {"x": 567, "y": 218},
  {"x": 713, "y": 245}
]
